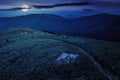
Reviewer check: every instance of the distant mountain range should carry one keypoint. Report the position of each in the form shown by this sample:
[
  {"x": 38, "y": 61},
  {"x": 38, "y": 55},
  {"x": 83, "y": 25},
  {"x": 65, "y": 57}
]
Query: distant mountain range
[{"x": 100, "y": 26}]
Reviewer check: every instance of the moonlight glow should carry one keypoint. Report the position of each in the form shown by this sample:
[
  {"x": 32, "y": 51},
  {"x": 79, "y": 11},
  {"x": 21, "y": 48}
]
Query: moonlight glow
[{"x": 25, "y": 8}]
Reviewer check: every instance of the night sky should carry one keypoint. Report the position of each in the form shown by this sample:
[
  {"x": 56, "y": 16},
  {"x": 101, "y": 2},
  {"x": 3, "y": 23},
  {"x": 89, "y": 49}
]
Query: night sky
[{"x": 77, "y": 8}]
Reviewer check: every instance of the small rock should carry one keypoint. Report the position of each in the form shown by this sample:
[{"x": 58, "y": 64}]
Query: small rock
[{"x": 66, "y": 58}]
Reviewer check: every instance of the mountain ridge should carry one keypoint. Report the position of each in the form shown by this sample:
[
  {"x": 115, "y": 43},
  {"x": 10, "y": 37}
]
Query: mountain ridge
[{"x": 99, "y": 26}]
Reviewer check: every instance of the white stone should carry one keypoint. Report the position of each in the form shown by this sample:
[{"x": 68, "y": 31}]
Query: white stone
[{"x": 66, "y": 58}]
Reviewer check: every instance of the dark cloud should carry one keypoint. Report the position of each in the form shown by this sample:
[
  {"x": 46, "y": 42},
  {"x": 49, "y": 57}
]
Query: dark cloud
[
  {"x": 62, "y": 5},
  {"x": 12, "y": 9},
  {"x": 86, "y": 5},
  {"x": 16, "y": 2},
  {"x": 50, "y": 6}
]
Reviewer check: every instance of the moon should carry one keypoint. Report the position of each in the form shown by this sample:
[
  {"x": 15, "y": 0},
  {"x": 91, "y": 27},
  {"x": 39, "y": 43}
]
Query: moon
[{"x": 24, "y": 7}]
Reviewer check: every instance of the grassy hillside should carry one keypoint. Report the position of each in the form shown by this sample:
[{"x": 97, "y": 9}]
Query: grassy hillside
[{"x": 27, "y": 54}]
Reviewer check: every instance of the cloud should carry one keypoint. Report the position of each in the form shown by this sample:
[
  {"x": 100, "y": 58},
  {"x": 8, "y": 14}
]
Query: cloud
[
  {"x": 49, "y": 6},
  {"x": 61, "y": 5},
  {"x": 85, "y": 5},
  {"x": 12, "y": 9}
]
